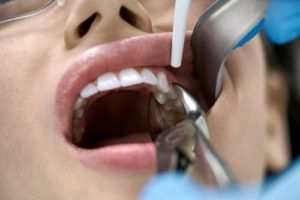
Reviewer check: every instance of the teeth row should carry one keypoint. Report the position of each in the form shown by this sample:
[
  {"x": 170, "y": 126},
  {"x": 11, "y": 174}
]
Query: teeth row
[{"x": 127, "y": 77}]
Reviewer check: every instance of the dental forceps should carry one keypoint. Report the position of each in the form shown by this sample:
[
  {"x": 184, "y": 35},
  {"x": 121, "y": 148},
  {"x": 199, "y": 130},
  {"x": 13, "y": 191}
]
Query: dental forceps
[
  {"x": 182, "y": 140},
  {"x": 218, "y": 31}
]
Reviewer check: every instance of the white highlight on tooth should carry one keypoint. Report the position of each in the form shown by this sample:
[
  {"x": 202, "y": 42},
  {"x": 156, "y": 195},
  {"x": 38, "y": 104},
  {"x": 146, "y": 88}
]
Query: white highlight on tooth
[
  {"x": 148, "y": 77},
  {"x": 78, "y": 103},
  {"x": 88, "y": 90},
  {"x": 160, "y": 97},
  {"x": 108, "y": 81},
  {"x": 163, "y": 84},
  {"x": 129, "y": 77}
]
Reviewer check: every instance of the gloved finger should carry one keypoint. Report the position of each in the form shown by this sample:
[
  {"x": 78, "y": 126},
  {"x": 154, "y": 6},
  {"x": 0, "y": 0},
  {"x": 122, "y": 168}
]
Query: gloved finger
[
  {"x": 177, "y": 186},
  {"x": 171, "y": 186},
  {"x": 282, "y": 21}
]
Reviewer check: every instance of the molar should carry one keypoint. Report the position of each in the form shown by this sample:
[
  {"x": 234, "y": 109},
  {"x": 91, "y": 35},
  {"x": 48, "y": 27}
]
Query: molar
[
  {"x": 160, "y": 97},
  {"x": 172, "y": 94},
  {"x": 79, "y": 103},
  {"x": 169, "y": 105},
  {"x": 75, "y": 123},
  {"x": 79, "y": 113},
  {"x": 77, "y": 134}
]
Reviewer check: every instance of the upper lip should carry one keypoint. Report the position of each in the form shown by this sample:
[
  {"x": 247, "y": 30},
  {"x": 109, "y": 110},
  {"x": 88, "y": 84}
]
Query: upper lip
[{"x": 143, "y": 51}]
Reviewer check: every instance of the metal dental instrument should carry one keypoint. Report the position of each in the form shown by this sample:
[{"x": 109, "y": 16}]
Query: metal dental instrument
[
  {"x": 179, "y": 26},
  {"x": 182, "y": 140},
  {"x": 217, "y": 32}
]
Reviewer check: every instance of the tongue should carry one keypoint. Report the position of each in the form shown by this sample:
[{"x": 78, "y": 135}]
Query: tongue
[{"x": 131, "y": 138}]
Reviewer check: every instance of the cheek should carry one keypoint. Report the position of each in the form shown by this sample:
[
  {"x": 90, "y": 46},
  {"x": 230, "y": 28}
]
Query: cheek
[
  {"x": 237, "y": 120},
  {"x": 24, "y": 97}
]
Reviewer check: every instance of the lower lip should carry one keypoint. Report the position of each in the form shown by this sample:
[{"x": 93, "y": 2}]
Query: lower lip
[{"x": 135, "y": 157}]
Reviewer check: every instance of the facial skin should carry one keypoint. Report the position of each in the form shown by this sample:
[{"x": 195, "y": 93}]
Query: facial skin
[{"x": 35, "y": 161}]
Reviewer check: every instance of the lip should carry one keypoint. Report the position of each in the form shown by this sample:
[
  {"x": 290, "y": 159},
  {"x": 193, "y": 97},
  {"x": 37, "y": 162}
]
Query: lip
[{"x": 152, "y": 50}]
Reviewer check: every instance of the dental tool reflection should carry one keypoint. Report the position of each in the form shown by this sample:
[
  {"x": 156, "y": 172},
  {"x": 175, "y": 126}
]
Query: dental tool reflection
[{"x": 179, "y": 27}]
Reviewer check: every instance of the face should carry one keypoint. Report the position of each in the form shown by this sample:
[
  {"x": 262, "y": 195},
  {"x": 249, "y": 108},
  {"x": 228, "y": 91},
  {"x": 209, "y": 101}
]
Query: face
[{"x": 46, "y": 61}]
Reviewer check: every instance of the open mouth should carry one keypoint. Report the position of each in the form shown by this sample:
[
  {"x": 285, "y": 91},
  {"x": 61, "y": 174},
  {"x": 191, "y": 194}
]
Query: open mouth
[
  {"x": 113, "y": 109},
  {"x": 102, "y": 100}
]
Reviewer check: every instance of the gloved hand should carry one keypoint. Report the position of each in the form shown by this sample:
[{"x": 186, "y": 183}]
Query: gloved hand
[
  {"x": 282, "y": 22},
  {"x": 176, "y": 186}
]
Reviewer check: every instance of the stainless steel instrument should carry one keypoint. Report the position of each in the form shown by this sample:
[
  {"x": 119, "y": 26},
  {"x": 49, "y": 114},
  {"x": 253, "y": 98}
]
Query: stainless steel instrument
[
  {"x": 182, "y": 141},
  {"x": 218, "y": 31}
]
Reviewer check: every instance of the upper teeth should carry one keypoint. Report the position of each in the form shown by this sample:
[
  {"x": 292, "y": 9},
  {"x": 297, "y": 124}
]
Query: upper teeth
[
  {"x": 89, "y": 90},
  {"x": 162, "y": 82},
  {"x": 125, "y": 78},
  {"x": 107, "y": 81},
  {"x": 129, "y": 77},
  {"x": 148, "y": 77}
]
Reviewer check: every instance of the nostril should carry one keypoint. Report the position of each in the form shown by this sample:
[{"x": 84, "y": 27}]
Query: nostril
[
  {"x": 133, "y": 19},
  {"x": 85, "y": 26},
  {"x": 128, "y": 16}
]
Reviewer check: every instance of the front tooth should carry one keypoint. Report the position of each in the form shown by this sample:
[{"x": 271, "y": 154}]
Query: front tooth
[
  {"x": 129, "y": 77},
  {"x": 108, "y": 81},
  {"x": 88, "y": 90},
  {"x": 160, "y": 97},
  {"x": 149, "y": 77},
  {"x": 163, "y": 84}
]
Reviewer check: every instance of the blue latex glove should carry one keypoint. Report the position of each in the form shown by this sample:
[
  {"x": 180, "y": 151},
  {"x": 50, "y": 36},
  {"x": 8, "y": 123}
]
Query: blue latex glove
[
  {"x": 175, "y": 186},
  {"x": 282, "y": 22}
]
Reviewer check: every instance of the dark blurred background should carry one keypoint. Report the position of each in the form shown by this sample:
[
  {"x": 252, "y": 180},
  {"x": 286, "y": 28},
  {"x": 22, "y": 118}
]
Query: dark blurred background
[{"x": 287, "y": 58}]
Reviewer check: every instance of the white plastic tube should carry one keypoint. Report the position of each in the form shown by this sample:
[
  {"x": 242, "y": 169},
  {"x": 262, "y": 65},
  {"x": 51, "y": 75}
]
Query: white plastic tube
[
  {"x": 61, "y": 2},
  {"x": 179, "y": 27}
]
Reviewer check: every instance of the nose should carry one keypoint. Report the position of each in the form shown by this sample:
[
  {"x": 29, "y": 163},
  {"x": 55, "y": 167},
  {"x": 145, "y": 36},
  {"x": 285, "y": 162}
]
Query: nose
[{"x": 94, "y": 22}]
